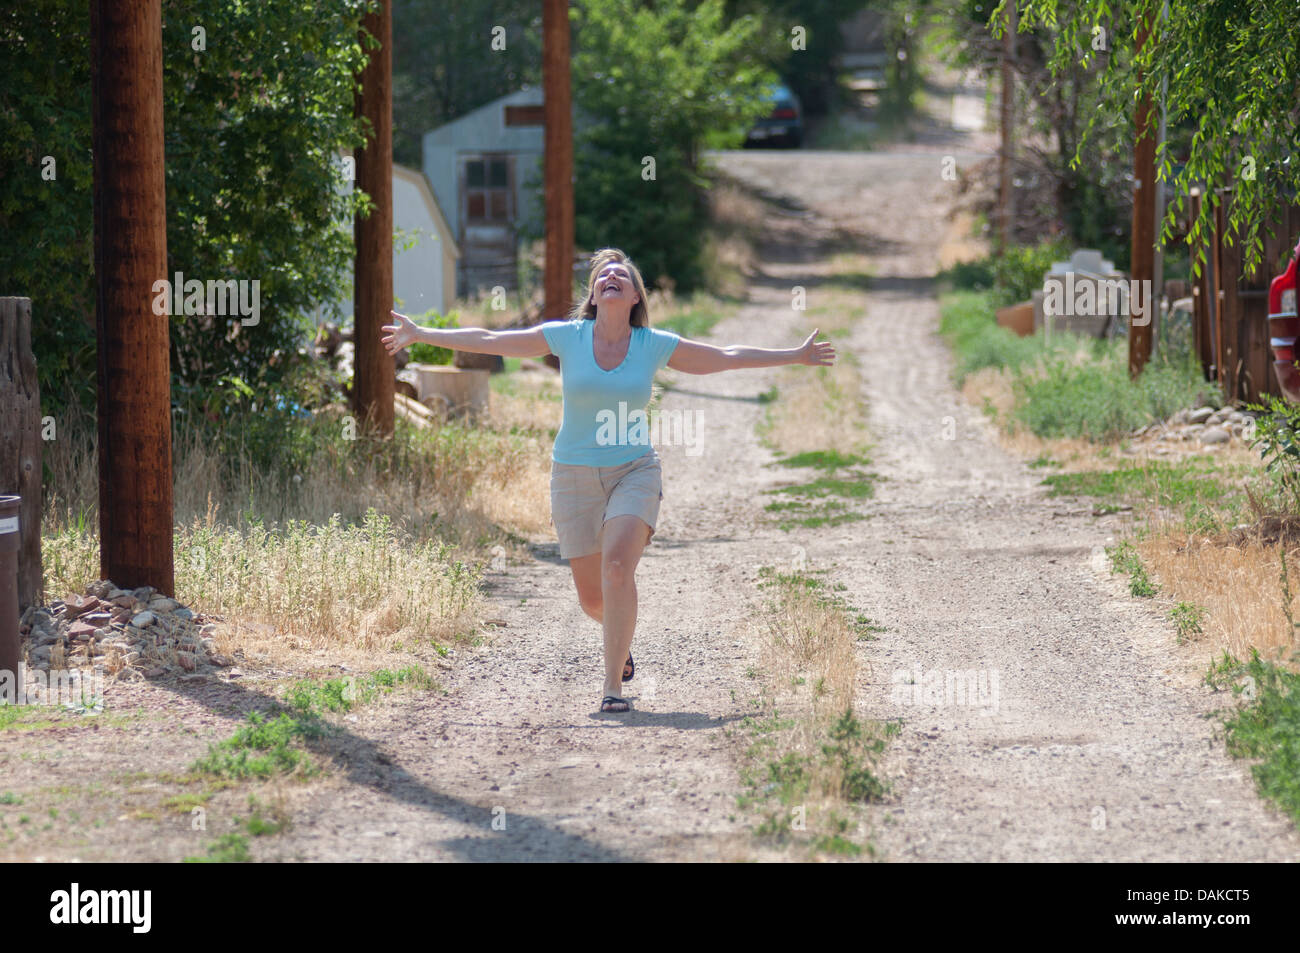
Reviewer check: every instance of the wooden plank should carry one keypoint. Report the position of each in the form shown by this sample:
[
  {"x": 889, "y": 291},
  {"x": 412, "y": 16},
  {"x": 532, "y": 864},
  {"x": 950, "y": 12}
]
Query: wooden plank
[{"x": 20, "y": 441}]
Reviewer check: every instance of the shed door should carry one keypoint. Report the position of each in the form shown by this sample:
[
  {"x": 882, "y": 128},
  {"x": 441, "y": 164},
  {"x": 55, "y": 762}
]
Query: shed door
[{"x": 487, "y": 214}]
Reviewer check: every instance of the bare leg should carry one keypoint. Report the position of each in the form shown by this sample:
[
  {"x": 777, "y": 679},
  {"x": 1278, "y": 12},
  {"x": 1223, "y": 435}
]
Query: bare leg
[
  {"x": 624, "y": 540},
  {"x": 586, "y": 578}
]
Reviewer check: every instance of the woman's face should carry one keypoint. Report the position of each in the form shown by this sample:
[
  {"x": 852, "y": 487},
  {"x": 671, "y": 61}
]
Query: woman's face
[{"x": 614, "y": 283}]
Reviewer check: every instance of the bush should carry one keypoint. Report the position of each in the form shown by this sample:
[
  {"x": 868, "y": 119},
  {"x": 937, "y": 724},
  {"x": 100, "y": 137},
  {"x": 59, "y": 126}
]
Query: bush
[
  {"x": 430, "y": 353},
  {"x": 967, "y": 320},
  {"x": 1098, "y": 400}
]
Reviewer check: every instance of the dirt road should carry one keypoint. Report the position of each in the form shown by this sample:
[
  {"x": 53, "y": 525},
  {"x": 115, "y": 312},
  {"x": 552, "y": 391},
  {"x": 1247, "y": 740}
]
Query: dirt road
[{"x": 1081, "y": 737}]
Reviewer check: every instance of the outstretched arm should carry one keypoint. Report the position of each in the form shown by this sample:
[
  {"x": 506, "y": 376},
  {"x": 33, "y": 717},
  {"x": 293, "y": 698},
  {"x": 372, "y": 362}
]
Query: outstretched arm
[
  {"x": 525, "y": 342},
  {"x": 696, "y": 357}
]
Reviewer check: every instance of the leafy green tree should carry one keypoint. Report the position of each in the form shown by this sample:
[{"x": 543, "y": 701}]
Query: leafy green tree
[
  {"x": 812, "y": 72},
  {"x": 452, "y": 56},
  {"x": 257, "y": 104},
  {"x": 654, "y": 87},
  {"x": 1232, "y": 70}
]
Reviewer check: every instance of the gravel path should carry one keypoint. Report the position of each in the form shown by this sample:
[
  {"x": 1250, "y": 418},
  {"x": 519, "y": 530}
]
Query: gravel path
[{"x": 1084, "y": 737}]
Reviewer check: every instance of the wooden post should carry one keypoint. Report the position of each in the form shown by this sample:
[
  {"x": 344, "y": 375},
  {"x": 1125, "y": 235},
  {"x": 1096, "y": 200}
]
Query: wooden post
[
  {"x": 373, "y": 381},
  {"x": 1006, "y": 194},
  {"x": 558, "y": 170},
  {"x": 20, "y": 441},
  {"x": 1144, "y": 219},
  {"x": 135, "y": 446}
]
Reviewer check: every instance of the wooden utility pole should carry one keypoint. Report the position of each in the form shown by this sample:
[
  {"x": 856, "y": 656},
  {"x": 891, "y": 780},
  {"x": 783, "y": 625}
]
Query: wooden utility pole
[
  {"x": 558, "y": 170},
  {"x": 135, "y": 446},
  {"x": 373, "y": 380},
  {"x": 1144, "y": 220},
  {"x": 1006, "y": 195}
]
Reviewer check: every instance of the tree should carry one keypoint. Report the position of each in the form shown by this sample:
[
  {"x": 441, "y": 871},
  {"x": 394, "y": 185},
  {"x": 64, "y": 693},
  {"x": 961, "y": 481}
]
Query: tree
[
  {"x": 1232, "y": 72},
  {"x": 257, "y": 105},
  {"x": 452, "y": 56},
  {"x": 655, "y": 87}
]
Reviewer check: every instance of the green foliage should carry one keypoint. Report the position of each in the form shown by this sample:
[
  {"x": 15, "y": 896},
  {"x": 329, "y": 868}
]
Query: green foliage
[
  {"x": 1187, "y": 618},
  {"x": 421, "y": 353},
  {"x": 253, "y": 124},
  {"x": 1072, "y": 387},
  {"x": 1277, "y": 437},
  {"x": 263, "y": 747},
  {"x": 967, "y": 320},
  {"x": 444, "y": 65},
  {"x": 1267, "y": 727},
  {"x": 1100, "y": 401},
  {"x": 1231, "y": 70},
  {"x": 662, "y": 83},
  {"x": 812, "y": 73},
  {"x": 1124, "y": 558}
]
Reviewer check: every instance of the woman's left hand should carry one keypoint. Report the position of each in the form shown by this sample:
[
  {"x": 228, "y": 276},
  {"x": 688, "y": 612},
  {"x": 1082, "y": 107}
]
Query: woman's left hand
[{"x": 816, "y": 353}]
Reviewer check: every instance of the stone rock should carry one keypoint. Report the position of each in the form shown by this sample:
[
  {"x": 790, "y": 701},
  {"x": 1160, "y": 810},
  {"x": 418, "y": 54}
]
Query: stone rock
[
  {"x": 183, "y": 613},
  {"x": 143, "y": 619},
  {"x": 156, "y": 672},
  {"x": 1200, "y": 415},
  {"x": 186, "y": 661},
  {"x": 79, "y": 605},
  {"x": 163, "y": 604},
  {"x": 39, "y": 655},
  {"x": 222, "y": 661},
  {"x": 144, "y": 593},
  {"x": 81, "y": 630},
  {"x": 1215, "y": 435}
]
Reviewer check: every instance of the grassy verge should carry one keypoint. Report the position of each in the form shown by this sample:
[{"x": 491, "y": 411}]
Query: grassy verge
[
  {"x": 811, "y": 761},
  {"x": 271, "y": 745},
  {"x": 1266, "y": 728},
  {"x": 1070, "y": 387}
]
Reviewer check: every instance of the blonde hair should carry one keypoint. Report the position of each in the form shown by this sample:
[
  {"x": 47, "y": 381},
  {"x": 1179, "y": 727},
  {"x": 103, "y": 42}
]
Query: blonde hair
[{"x": 586, "y": 308}]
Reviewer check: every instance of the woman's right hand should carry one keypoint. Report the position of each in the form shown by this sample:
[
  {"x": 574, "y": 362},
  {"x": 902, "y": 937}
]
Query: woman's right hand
[{"x": 401, "y": 333}]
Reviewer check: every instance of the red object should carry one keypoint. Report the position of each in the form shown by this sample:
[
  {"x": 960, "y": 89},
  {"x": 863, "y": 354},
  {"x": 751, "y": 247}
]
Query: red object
[
  {"x": 784, "y": 114},
  {"x": 1283, "y": 329}
]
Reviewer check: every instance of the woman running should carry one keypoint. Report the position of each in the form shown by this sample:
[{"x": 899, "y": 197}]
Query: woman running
[{"x": 606, "y": 486}]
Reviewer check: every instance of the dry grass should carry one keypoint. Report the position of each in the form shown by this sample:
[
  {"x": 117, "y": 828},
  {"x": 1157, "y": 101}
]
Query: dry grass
[
  {"x": 818, "y": 408},
  {"x": 379, "y": 554},
  {"x": 1239, "y": 587},
  {"x": 811, "y": 755}
]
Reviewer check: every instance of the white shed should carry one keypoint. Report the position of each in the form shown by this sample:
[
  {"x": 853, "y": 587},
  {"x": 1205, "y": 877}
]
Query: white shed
[{"x": 424, "y": 275}]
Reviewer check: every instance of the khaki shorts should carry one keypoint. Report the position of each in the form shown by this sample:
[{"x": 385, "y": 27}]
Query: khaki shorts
[{"x": 582, "y": 498}]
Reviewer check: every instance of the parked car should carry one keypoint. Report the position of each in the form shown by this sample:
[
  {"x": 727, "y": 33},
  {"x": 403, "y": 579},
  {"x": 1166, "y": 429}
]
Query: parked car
[
  {"x": 1284, "y": 329},
  {"x": 784, "y": 124}
]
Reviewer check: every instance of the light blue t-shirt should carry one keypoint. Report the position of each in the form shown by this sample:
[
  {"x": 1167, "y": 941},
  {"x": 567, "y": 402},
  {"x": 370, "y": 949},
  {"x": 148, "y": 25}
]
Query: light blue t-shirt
[{"x": 605, "y": 423}]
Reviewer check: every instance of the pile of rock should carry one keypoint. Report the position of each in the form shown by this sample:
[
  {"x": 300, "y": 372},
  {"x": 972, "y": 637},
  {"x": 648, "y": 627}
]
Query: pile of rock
[
  {"x": 138, "y": 632},
  {"x": 1205, "y": 425}
]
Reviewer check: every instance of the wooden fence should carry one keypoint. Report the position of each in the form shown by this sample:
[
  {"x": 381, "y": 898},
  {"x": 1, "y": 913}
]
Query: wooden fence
[
  {"x": 1230, "y": 305},
  {"x": 20, "y": 440}
]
